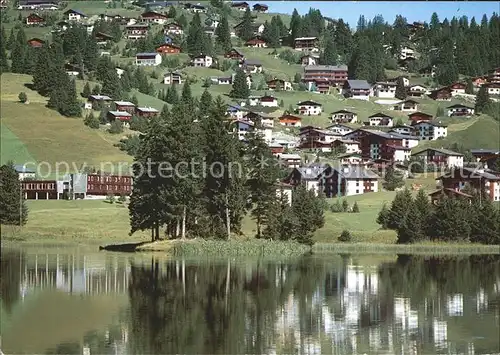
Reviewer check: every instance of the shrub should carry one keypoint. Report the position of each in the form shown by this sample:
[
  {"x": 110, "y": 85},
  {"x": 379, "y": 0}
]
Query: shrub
[
  {"x": 355, "y": 208},
  {"x": 345, "y": 236},
  {"x": 345, "y": 206},
  {"x": 23, "y": 97},
  {"x": 122, "y": 198},
  {"x": 336, "y": 207},
  {"x": 110, "y": 198},
  {"x": 116, "y": 127}
]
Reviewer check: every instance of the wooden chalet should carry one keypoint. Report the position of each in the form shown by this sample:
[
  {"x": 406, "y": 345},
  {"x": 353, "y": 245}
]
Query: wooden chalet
[
  {"x": 479, "y": 179},
  {"x": 290, "y": 120},
  {"x": 173, "y": 29},
  {"x": 460, "y": 110},
  {"x": 262, "y": 8},
  {"x": 125, "y": 106},
  {"x": 241, "y": 6},
  {"x": 437, "y": 196},
  {"x": 416, "y": 90},
  {"x": 279, "y": 84},
  {"x": 35, "y": 20},
  {"x": 333, "y": 74},
  {"x": 146, "y": 112},
  {"x": 123, "y": 116},
  {"x": 234, "y": 54},
  {"x": 306, "y": 44},
  {"x": 153, "y": 17},
  {"x": 168, "y": 48},
  {"x": 137, "y": 31},
  {"x": 172, "y": 78},
  {"x": 102, "y": 38},
  {"x": 419, "y": 116},
  {"x": 344, "y": 116},
  {"x": 256, "y": 42},
  {"x": 441, "y": 94},
  {"x": 36, "y": 42}
]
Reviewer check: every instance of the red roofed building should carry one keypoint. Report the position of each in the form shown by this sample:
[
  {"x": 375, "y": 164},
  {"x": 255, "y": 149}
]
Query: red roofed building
[
  {"x": 256, "y": 42},
  {"x": 34, "y": 20},
  {"x": 36, "y": 42},
  {"x": 168, "y": 49}
]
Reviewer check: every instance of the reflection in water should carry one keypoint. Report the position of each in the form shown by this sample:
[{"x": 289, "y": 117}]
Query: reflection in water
[{"x": 343, "y": 304}]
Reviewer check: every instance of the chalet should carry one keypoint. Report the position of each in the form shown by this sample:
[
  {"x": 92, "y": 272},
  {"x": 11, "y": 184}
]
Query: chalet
[
  {"x": 429, "y": 130},
  {"x": 121, "y": 116},
  {"x": 356, "y": 89},
  {"x": 289, "y": 120},
  {"x": 153, "y": 17},
  {"x": 262, "y": 8},
  {"x": 291, "y": 161},
  {"x": 375, "y": 144},
  {"x": 234, "y": 54},
  {"x": 492, "y": 88},
  {"x": 276, "y": 148},
  {"x": 24, "y": 173},
  {"x": 173, "y": 28},
  {"x": 36, "y": 42},
  {"x": 98, "y": 102},
  {"x": 416, "y": 90},
  {"x": 146, "y": 112},
  {"x": 319, "y": 86},
  {"x": 253, "y": 100},
  {"x": 494, "y": 76},
  {"x": 257, "y": 28},
  {"x": 440, "y": 157},
  {"x": 349, "y": 180},
  {"x": 147, "y": 59},
  {"x": 438, "y": 195},
  {"x": 223, "y": 80},
  {"x": 384, "y": 90},
  {"x": 333, "y": 74},
  {"x": 407, "y": 106},
  {"x": 202, "y": 60},
  {"x": 460, "y": 110},
  {"x": 310, "y": 176},
  {"x": 265, "y": 120},
  {"x": 168, "y": 48},
  {"x": 428, "y": 72},
  {"x": 344, "y": 116},
  {"x": 137, "y": 31},
  {"x": 279, "y": 84},
  {"x": 485, "y": 180},
  {"x": 74, "y": 15},
  {"x": 406, "y": 52},
  {"x": 478, "y": 81},
  {"x": 380, "y": 119},
  {"x": 103, "y": 38},
  {"x": 420, "y": 116},
  {"x": 457, "y": 88},
  {"x": 349, "y": 145},
  {"x": 195, "y": 8},
  {"x": 491, "y": 161},
  {"x": 256, "y": 42},
  {"x": 241, "y": 6},
  {"x": 309, "y": 59},
  {"x": 242, "y": 127},
  {"x": 340, "y": 129},
  {"x": 481, "y": 153},
  {"x": 309, "y": 108},
  {"x": 268, "y": 101},
  {"x": 35, "y": 20},
  {"x": 306, "y": 44},
  {"x": 251, "y": 66},
  {"x": 316, "y": 138},
  {"x": 172, "y": 78},
  {"x": 351, "y": 158},
  {"x": 442, "y": 94},
  {"x": 125, "y": 106},
  {"x": 72, "y": 69},
  {"x": 402, "y": 129},
  {"x": 235, "y": 111},
  {"x": 404, "y": 78}
]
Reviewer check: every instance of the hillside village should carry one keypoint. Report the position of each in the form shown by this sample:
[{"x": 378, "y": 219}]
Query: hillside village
[{"x": 323, "y": 95}]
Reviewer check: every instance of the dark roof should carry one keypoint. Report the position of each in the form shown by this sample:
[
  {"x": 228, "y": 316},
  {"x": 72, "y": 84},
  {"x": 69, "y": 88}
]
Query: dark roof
[
  {"x": 380, "y": 115},
  {"x": 432, "y": 123},
  {"x": 252, "y": 62},
  {"x": 485, "y": 151},
  {"x": 443, "y": 151},
  {"x": 342, "y": 111},
  {"x": 453, "y": 191},
  {"x": 309, "y": 102},
  {"x": 459, "y": 106},
  {"x": 386, "y": 135},
  {"x": 75, "y": 11},
  {"x": 355, "y": 172},
  {"x": 326, "y": 67},
  {"x": 312, "y": 171},
  {"x": 23, "y": 169},
  {"x": 419, "y": 113},
  {"x": 475, "y": 173},
  {"x": 359, "y": 84}
]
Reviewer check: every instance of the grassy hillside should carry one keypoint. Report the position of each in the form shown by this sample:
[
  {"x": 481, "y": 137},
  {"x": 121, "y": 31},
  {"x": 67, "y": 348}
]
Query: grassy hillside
[{"x": 37, "y": 133}]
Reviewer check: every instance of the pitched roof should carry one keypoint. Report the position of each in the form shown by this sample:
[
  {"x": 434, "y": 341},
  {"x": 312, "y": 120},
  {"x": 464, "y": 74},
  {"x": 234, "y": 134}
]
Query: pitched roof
[
  {"x": 490, "y": 175},
  {"x": 124, "y": 103},
  {"x": 309, "y": 102},
  {"x": 419, "y": 113},
  {"x": 355, "y": 172},
  {"x": 76, "y": 12},
  {"x": 460, "y": 106},
  {"x": 342, "y": 111},
  {"x": 359, "y": 84},
  {"x": 432, "y": 123},
  {"x": 326, "y": 67},
  {"x": 120, "y": 113},
  {"x": 312, "y": 171},
  {"x": 380, "y": 114},
  {"x": 442, "y": 151},
  {"x": 153, "y": 54},
  {"x": 22, "y": 169}
]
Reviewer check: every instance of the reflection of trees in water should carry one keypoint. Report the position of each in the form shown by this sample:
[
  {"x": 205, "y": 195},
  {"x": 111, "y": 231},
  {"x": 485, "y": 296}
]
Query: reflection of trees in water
[
  {"x": 215, "y": 307},
  {"x": 10, "y": 278}
]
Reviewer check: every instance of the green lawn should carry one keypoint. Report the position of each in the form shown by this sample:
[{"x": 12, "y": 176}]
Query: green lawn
[{"x": 12, "y": 148}]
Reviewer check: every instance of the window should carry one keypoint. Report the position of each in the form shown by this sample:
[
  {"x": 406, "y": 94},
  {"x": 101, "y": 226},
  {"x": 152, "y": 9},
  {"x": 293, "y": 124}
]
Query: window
[{"x": 357, "y": 191}]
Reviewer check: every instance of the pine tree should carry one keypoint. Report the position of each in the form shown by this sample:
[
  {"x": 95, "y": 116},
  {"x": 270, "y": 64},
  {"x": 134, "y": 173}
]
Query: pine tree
[
  {"x": 450, "y": 220},
  {"x": 309, "y": 214},
  {"x": 90, "y": 53},
  {"x": 172, "y": 96},
  {"x": 383, "y": 217},
  {"x": 400, "y": 89},
  {"x": 134, "y": 100},
  {"x": 469, "y": 89},
  {"x": 482, "y": 100},
  {"x": 399, "y": 208},
  {"x": 13, "y": 209},
  {"x": 245, "y": 30},
  {"x": 240, "y": 88},
  {"x": 295, "y": 27},
  {"x": 91, "y": 121},
  {"x": 86, "y": 90},
  {"x": 186, "y": 95},
  {"x": 423, "y": 207},
  {"x": 271, "y": 34},
  {"x": 4, "y": 64},
  {"x": 392, "y": 180},
  {"x": 111, "y": 85},
  {"x": 71, "y": 106},
  {"x": 409, "y": 230},
  {"x": 329, "y": 54},
  {"x": 223, "y": 35},
  {"x": 205, "y": 103},
  {"x": 19, "y": 51},
  {"x": 485, "y": 224},
  {"x": 197, "y": 41},
  {"x": 262, "y": 177},
  {"x": 12, "y": 39}
]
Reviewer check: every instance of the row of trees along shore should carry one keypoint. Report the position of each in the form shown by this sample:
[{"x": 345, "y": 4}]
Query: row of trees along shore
[
  {"x": 211, "y": 202},
  {"x": 453, "y": 219}
]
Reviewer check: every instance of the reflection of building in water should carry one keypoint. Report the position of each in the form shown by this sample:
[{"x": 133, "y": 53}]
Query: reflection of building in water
[
  {"x": 74, "y": 274},
  {"x": 455, "y": 305}
]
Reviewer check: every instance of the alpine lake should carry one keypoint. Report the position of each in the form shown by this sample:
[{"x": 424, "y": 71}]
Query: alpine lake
[{"x": 78, "y": 300}]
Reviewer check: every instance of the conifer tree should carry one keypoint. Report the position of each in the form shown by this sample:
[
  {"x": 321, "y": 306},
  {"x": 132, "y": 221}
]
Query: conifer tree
[
  {"x": 19, "y": 52},
  {"x": 205, "y": 103},
  {"x": 271, "y": 34},
  {"x": 469, "y": 89},
  {"x": 245, "y": 30},
  {"x": 309, "y": 213},
  {"x": 423, "y": 207},
  {"x": 329, "y": 54},
  {"x": 482, "y": 100},
  {"x": 262, "y": 176},
  {"x": 400, "y": 89},
  {"x": 12, "y": 39},
  {"x": 409, "y": 230},
  {"x": 4, "y": 64},
  {"x": 223, "y": 35},
  {"x": 383, "y": 217},
  {"x": 91, "y": 121},
  {"x": 392, "y": 180},
  {"x": 86, "y": 90},
  {"x": 295, "y": 27},
  {"x": 13, "y": 209},
  {"x": 111, "y": 85},
  {"x": 399, "y": 207},
  {"x": 450, "y": 220},
  {"x": 134, "y": 100},
  {"x": 186, "y": 95},
  {"x": 71, "y": 107},
  {"x": 172, "y": 95},
  {"x": 281, "y": 223},
  {"x": 484, "y": 222},
  {"x": 240, "y": 88},
  {"x": 197, "y": 41}
]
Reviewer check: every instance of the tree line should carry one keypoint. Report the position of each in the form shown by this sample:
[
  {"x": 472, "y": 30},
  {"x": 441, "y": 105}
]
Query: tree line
[
  {"x": 242, "y": 178},
  {"x": 454, "y": 219}
]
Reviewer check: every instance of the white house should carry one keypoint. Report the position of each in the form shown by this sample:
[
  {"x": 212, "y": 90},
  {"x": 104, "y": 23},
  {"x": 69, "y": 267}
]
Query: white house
[
  {"x": 251, "y": 66},
  {"x": 309, "y": 59},
  {"x": 400, "y": 153},
  {"x": 403, "y": 129},
  {"x": 380, "y": 119},
  {"x": 460, "y": 110},
  {"x": 340, "y": 129},
  {"x": 344, "y": 116},
  {"x": 351, "y": 146},
  {"x": 236, "y": 112},
  {"x": 357, "y": 89},
  {"x": 407, "y": 106},
  {"x": 119, "y": 71},
  {"x": 74, "y": 15},
  {"x": 406, "y": 52},
  {"x": 428, "y": 130},
  {"x": 147, "y": 59},
  {"x": 202, "y": 61},
  {"x": 384, "y": 90},
  {"x": 492, "y": 88},
  {"x": 441, "y": 157},
  {"x": 290, "y": 160},
  {"x": 24, "y": 172},
  {"x": 416, "y": 90},
  {"x": 309, "y": 108},
  {"x": 268, "y": 101}
]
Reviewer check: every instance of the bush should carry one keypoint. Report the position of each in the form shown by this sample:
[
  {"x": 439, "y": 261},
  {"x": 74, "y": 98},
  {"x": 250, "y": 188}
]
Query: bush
[
  {"x": 122, "y": 198},
  {"x": 91, "y": 121},
  {"x": 345, "y": 206},
  {"x": 345, "y": 236},
  {"x": 336, "y": 207},
  {"x": 110, "y": 198},
  {"x": 355, "y": 208},
  {"x": 23, "y": 97},
  {"x": 116, "y": 127}
]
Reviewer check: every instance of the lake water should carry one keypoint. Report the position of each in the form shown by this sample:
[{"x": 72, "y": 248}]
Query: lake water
[{"x": 79, "y": 301}]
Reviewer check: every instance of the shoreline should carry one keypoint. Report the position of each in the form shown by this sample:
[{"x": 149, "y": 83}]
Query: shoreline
[{"x": 255, "y": 247}]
